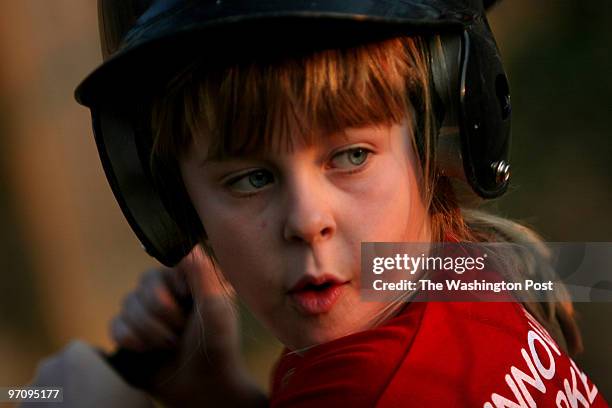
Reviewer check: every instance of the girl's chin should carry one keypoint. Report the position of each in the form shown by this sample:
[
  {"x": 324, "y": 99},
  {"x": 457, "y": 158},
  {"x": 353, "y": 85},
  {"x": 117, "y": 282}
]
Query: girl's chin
[
  {"x": 348, "y": 315},
  {"x": 308, "y": 334}
]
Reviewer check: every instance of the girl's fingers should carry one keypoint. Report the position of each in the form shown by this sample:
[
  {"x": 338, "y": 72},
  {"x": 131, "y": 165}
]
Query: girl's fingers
[
  {"x": 176, "y": 281},
  {"x": 161, "y": 300},
  {"x": 145, "y": 326},
  {"x": 125, "y": 337}
]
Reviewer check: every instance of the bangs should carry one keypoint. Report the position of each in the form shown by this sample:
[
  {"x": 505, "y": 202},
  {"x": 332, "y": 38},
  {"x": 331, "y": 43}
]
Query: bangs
[{"x": 272, "y": 102}]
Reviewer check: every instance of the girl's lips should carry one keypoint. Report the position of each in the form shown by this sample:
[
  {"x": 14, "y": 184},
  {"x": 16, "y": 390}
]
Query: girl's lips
[{"x": 313, "y": 300}]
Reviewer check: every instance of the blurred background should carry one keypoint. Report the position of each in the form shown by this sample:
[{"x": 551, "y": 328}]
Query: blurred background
[{"x": 68, "y": 257}]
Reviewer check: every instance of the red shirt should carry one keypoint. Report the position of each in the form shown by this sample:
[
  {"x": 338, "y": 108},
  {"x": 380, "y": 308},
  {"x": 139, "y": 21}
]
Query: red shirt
[{"x": 438, "y": 355}]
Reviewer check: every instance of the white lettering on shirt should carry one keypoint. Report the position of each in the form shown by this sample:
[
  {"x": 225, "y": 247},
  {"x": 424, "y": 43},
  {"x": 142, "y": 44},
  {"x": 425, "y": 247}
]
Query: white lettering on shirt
[{"x": 538, "y": 371}]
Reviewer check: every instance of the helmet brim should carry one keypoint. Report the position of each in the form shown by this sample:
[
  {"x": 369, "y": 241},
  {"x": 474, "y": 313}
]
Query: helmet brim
[{"x": 159, "y": 44}]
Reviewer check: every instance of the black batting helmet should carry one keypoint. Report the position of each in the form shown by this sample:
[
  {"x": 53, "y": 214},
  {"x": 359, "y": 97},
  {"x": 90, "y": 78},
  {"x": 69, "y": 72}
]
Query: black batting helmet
[{"x": 144, "y": 41}]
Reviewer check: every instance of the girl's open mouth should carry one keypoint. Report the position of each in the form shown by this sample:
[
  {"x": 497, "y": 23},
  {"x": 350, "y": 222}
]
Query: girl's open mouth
[{"x": 312, "y": 298}]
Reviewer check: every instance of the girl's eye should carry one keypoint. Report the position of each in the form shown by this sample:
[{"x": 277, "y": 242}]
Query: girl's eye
[
  {"x": 351, "y": 158},
  {"x": 250, "y": 182}
]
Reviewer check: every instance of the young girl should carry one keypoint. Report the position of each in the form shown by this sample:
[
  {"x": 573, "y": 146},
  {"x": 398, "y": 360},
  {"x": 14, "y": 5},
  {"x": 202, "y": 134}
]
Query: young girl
[{"x": 279, "y": 162}]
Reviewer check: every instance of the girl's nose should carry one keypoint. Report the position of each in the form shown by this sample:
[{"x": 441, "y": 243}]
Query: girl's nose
[{"x": 309, "y": 216}]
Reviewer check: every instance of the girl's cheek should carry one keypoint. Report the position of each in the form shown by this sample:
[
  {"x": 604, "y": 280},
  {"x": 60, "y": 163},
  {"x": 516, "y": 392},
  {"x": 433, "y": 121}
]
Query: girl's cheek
[
  {"x": 385, "y": 187},
  {"x": 387, "y": 205},
  {"x": 240, "y": 241}
]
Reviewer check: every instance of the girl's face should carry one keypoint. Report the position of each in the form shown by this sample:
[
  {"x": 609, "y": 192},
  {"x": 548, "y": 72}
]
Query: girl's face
[{"x": 286, "y": 227}]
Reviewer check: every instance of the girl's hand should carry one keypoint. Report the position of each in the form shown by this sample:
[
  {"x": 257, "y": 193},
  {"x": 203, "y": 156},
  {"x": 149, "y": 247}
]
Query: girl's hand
[{"x": 179, "y": 339}]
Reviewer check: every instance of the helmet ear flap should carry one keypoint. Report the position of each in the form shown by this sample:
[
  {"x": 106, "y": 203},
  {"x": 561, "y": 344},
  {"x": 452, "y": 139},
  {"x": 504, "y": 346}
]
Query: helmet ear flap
[
  {"x": 173, "y": 194},
  {"x": 123, "y": 137},
  {"x": 473, "y": 138}
]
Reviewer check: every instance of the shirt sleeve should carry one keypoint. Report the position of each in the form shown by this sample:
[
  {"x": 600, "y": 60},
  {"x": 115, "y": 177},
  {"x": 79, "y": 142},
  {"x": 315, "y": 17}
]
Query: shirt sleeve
[{"x": 87, "y": 381}]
